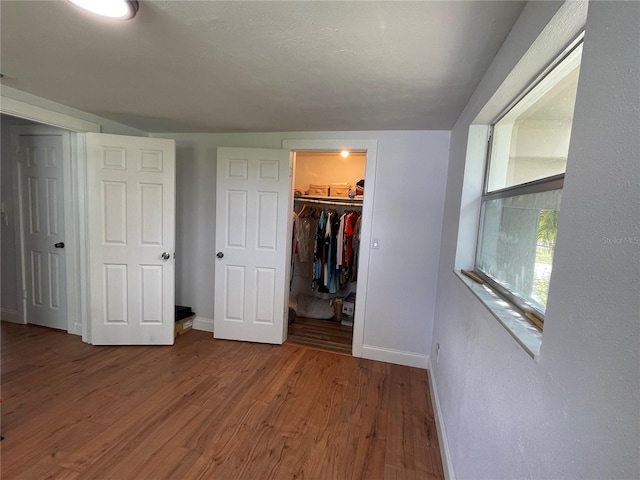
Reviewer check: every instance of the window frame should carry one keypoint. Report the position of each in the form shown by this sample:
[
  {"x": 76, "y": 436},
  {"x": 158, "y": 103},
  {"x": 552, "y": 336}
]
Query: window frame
[{"x": 546, "y": 184}]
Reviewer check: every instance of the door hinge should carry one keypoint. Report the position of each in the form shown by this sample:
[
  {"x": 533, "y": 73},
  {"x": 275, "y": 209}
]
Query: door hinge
[{"x": 24, "y": 294}]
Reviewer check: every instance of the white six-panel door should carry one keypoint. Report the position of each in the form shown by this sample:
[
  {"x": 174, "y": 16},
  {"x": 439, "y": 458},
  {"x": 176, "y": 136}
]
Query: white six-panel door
[
  {"x": 252, "y": 217},
  {"x": 131, "y": 216},
  {"x": 40, "y": 173}
]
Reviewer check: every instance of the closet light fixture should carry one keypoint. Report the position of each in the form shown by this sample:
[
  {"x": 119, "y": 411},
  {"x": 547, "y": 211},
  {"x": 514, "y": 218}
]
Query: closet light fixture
[
  {"x": 113, "y": 9},
  {"x": 344, "y": 153}
]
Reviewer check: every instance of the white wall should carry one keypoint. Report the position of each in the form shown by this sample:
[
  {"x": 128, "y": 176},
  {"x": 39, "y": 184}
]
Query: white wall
[
  {"x": 407, "y": 216},
  {"x": 575, "y": 412}
]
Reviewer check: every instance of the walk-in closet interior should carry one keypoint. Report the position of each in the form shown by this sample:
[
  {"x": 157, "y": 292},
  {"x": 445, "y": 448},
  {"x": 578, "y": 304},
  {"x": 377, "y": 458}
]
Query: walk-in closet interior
[{"x": 328, "y": 196}]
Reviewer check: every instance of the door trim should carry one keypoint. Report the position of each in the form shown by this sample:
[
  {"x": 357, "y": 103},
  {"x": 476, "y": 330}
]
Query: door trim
[
  {"x": 70, "y": 225},
  {"x": 16, "y": 108},
  {"x": 78, "y": 304},
  {"x": 371, "y": 147}
]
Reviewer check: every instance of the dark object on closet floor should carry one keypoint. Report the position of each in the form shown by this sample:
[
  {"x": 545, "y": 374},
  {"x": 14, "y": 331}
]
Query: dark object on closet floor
[
  {"x": 183, "y": 312},
  {"x": 292, "y": 315}
]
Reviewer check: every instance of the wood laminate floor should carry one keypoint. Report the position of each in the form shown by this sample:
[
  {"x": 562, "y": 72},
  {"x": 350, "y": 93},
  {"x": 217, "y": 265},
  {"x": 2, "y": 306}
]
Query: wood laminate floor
[
  {"x": 327, "y": 335},
  {"x": 208, "y": 409}
]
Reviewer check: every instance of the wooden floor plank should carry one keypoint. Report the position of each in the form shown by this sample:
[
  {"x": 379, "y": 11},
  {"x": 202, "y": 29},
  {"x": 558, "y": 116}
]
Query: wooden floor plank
[
  {"x": 208, "y": 408},
  {"x": 44, "y": 469},
  {"x": 328, "y": 335},
  {"x": 169, "y": 462}
]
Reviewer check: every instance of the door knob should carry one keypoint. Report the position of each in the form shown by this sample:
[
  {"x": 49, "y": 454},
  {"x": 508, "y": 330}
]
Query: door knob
[
  {"x": 165, "y": 256},
  {"x": 219, "y": 254},
  {"x": 59, "y": 245}
]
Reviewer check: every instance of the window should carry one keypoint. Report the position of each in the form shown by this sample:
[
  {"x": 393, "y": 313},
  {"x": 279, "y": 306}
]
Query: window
[{"x": 523, "y": 187}]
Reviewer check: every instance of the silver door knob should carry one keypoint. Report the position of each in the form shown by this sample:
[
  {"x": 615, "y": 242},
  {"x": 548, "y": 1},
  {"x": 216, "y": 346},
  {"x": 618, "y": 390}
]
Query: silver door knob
[
  {"x": 219, "y": 254},
  {"x": 165, "y": 256}
]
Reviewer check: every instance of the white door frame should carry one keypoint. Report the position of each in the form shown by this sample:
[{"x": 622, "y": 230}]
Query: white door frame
[
  {"x": 371, "y": 148},
  {"x": 74, "y": 168}
]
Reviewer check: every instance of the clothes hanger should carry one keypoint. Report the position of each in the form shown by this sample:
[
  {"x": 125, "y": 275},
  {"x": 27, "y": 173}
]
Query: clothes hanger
[{"x": 305, "y": 212}]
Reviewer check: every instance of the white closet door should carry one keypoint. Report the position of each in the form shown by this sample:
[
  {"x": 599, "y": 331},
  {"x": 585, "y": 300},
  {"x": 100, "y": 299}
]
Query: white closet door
[
  {"x": 252, "y": 215},
  {"x": 40, "y": 173}
]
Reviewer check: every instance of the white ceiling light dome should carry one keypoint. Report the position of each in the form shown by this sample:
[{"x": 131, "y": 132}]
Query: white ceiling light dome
[{"x": 114, "y": 9}]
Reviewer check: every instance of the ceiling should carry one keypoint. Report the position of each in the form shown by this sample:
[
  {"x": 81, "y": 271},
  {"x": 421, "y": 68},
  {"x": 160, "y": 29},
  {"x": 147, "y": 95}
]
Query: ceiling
[{"x": 247, "y": 66}]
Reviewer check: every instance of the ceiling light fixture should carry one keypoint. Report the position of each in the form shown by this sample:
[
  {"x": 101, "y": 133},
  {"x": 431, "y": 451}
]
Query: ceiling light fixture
[
  {"x": 114, "y": 9},
  {"x": 344, "y": 153}
]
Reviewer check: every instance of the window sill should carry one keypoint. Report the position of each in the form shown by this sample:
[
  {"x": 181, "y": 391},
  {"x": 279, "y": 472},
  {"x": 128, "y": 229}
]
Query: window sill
[{"x": 527, "y": 336}]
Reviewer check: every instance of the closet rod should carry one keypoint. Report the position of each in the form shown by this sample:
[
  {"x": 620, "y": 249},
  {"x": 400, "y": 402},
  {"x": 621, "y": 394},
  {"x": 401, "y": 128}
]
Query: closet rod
[{"x": 328, "y": 202}]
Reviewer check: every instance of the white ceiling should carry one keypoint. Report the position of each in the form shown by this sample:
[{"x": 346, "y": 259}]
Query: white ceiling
[{"x": 209, "y": 66}]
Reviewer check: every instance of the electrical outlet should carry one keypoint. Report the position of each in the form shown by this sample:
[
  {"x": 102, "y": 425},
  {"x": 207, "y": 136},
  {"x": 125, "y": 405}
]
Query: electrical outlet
[{"x": 437, "y": 352}]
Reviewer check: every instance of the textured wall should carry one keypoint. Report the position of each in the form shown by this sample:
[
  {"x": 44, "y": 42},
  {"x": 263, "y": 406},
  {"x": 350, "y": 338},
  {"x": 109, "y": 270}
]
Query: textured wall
[{"x": 575, "y": 412}]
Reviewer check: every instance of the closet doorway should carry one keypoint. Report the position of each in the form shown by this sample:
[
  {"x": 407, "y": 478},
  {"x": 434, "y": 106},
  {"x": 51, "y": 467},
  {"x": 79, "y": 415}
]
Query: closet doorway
[
  {"x": 37, "y": 220},
  {"x": 328, "y": 195}
]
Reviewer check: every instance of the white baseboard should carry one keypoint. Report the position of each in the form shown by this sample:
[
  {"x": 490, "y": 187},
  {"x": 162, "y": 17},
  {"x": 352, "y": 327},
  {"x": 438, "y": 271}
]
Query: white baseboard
[
  {"x": 398, "y": 357},
  {"x": 445, "y": 454},
  {"x": 204, "y": 324},
  {"x": 9, "y": 315}
]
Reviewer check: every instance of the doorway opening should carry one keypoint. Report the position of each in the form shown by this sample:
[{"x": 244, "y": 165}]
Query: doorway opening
[
  {"x": 36, "y": 217},
  {"x": 328, "y": 195}
]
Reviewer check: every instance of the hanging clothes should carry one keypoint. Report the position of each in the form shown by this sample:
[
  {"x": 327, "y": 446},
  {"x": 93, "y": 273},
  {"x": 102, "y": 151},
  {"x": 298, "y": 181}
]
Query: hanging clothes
[
  {"x": 340, "y": 260},
  {"x": 356, "y": 248},
  {"x": 304, "y": 228},
  {"x": 345, "y": 246},
  {"x": 334, "y": 255},
  {"x": 305, "y": 237},
  {"x": 319, "y": 254},
  {"x": 327, "y": 262},
  {"x": 348, "y": 238},
  {"x": 294, "y": 249},
  {"x": 333, "y": 266}
]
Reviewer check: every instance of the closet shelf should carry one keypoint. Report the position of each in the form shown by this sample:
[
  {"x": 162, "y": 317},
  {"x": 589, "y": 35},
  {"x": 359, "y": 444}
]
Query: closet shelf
[{"x": 330, "y": 200}]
